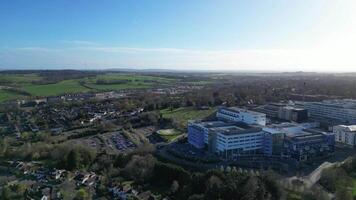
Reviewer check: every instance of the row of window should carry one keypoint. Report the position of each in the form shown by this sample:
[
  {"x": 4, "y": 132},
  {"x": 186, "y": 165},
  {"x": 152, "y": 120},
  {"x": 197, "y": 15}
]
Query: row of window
[
  {"x": 239, "y": 145},
  {"x": 256, "y": 135}
]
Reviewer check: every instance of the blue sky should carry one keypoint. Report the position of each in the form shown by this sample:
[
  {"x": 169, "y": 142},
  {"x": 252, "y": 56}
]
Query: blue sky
[{"x": 285, "y": 35}]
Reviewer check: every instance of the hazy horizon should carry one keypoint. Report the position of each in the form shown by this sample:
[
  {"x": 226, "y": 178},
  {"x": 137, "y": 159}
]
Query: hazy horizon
[
  {"x": 148, "y": 69},
  {"x": 275, "y": 36}
]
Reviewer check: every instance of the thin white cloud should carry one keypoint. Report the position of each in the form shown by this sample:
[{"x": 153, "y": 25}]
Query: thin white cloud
[
  {"x": 314, "y": 59},
  {"x": 36, "y": 49},
  {"x": 80, "y": 42},
  {"x": 116, "y": 49}
]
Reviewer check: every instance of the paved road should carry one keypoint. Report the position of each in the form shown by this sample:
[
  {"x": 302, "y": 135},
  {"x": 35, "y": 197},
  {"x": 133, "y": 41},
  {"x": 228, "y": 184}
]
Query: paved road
[
  {"x": 314, "y": 177},
  {"x": 311, "y": 179}
]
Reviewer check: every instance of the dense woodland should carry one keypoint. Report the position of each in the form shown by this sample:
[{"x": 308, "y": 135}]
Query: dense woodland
[{"x": 142, "y": 167}]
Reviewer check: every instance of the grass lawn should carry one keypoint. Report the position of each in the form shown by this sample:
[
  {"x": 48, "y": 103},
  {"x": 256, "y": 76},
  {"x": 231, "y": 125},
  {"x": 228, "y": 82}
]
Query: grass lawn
[
  {"x": 63, "y": 87},
  {"x": 182, "y": 115},
  {"x": 119, "y": 86},
  {"x": 18, "y": 79},
  {"x": 292, "y": 195},
  {"x": 6, "y": 95},
  {"x": 169, "y": 134},
  {"x": 170, "y": 138},
  {"x": 354, "y": 188}
]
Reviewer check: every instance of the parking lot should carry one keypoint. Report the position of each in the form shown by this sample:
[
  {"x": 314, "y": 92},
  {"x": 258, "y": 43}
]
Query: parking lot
[
  {"x": 113, "y": 142},
  {"x": 120, "y": 142}
]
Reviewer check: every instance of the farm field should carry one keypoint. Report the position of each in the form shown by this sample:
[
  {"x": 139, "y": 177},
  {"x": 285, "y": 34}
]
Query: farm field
[
  {"x": 118, "y": 86},
  {"x": 137, "y": 78},
  {"x": 117, "y": 81},
  {"x": 182, "y": 115},
  {"x": 18, "y": 79},
  {"x": 63, "y": 87},
  {"x": 8, "y": 95},
  {"x": 100, "y": 82}
]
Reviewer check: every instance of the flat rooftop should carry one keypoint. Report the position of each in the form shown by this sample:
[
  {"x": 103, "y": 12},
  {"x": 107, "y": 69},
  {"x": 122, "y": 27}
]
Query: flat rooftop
[
  {"x": 211, "y": 124},
  {"x": 308, "y": 134},
  {"x": 237, "y": 109},
  {"x": 293, "y": 108},
  {"x": 236, "y": 129},
  {"x": 305, "y": 136},
  {"x": 351, "y": 128},
  {"x": 340, "y": 103},
  {"x": 283, "y": 125}
]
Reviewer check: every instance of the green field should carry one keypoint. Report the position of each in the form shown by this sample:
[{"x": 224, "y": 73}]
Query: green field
[
  {"x": 18, "y": 79},
  {"x": 6, "y": 95},
  {"x": 293, "y": 195},
  {"x": 63, "y": 87},
  {"x": 137, "y": 78},
  {"x": 354, "y": 188},
  {"x": 182, "y": 115},
  {"x": 29, "y": 83},
  {"x": 133, "y": 81},
  {"x": 118, "y": 86}
]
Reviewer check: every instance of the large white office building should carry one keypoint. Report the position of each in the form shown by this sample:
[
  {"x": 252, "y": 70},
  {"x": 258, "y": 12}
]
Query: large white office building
[
  {"x": 239, "y": 132},
  {"x": 228, "y": 140},
  {"x": 232, "y": 141},
  {"x": 235, "y": 114},
  {"x": 199, "y": 132},
  {"x": 341, "y": 110},
  {"x": 345, "y": 134}
]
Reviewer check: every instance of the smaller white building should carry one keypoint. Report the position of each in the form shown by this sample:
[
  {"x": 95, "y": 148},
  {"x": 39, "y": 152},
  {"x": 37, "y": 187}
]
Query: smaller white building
[
  {"x": 290, "y": 127},
  {"x": 198, "y": 132},
  {"x": 235, "y": 114},
  {"x": 345, "y": 134},
  {"x": 232, "y": 141}
]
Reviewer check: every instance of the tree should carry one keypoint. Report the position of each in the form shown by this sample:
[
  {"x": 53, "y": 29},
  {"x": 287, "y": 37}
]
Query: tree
[
  {"x": 308, "y": 196},
  {"x": 5, "y": 193},
  {"x": 87, "y": 156},
  {"x": 343, "y": 193},
  {"x": 250, "y": 190},
  {"x": 121, "y": 160},
  {"x": 140, "y": 168},
  {"x": 196, "y": 197},
  {"x": 166, "y": 173},
  {"x": 82, "y": 194},
  {"x": 174, "y": 187},
  {"x": 331, "y": 176},
  {"x": 198, "y": 183},
  {"x": 315, "y": 193},
  {"x": 213, "y": 188},
  {"x": 3, "y": 146},
  {"x": 73, "y": 159}
]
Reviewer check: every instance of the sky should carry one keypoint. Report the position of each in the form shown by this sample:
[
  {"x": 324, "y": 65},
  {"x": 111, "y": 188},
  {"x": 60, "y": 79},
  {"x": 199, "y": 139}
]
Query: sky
[{"x": 241, "y": 35}]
